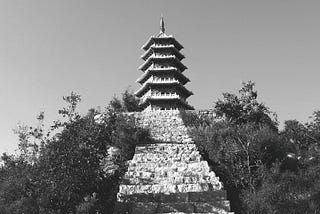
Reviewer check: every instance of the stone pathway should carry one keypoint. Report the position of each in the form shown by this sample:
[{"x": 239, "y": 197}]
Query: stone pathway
[{"x": 169, "y": 176}]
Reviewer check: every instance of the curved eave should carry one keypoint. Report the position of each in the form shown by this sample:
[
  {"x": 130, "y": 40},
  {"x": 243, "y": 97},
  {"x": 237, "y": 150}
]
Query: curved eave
[
  {"x": 147, "y": 63},
  {"x": 151, "y": 99},
  {"x": 148, "y": 85},
  {"x": 153, "y": 49},
  {"x": 149, "y": 72},
  {"x": 154, "y": 39}
]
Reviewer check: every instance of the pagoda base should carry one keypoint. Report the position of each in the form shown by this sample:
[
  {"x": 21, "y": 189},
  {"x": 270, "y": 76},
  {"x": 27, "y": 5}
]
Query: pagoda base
[{"x": 168, "y": 175}]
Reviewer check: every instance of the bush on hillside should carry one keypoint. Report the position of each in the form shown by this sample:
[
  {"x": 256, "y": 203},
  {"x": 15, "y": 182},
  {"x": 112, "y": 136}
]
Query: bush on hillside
[
  {"x": 263, "y": 170},
  {"x": 75, "y": 170}
]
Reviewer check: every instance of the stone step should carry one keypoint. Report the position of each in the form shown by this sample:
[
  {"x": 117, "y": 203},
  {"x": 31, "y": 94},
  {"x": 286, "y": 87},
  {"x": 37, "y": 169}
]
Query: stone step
[
  {"x": 170, "y": 179},
  {"x": 194, "y": 207},
  {"x": 165, "y": 162},
  {"x": 219, "y": 207},
  {"x": 197, "y": 166},
  {"x": 168, "y": 188},
  {"x": 186, "y": 173},
  {"x": 166, "y": 148},
  {"x": 155, "y": 157},
  {"x": 207, "y": 196},
  {"x": 164, "y": 126},
  {"x": 164, "y": 138},
  {"x": 194, "y": 213},
  {"x": 167, "y": 175},
  {"x": 160, "y": 158}
]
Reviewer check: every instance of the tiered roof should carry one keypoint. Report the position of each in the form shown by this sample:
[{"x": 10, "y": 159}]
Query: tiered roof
[
  {"x": 169, "y": 70},
  {"x": 162, "y": 84},
  {"x": 162, "y": 37},
  {"x": 163, "y": 59},
  {"x": 154, "y": 48}
]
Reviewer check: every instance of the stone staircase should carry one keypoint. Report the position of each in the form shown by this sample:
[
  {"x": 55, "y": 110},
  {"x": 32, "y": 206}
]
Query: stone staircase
[{"x": 169, "y": 176}]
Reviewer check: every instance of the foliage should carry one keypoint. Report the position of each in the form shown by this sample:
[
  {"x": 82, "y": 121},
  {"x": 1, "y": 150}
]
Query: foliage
[
  {"x": 75, "y": 166},
  {"x": 237, "y": 153},
  {"x": 245, "y": 107},
  {"x": 193, "y": 119},
  {"x": 74, "y": 170},
  {"x": 286, "y": 192},
  {"x": 17, "y": 190},
  {"x": 263, "y": 170},
  {"x": 129, "y": 103}
]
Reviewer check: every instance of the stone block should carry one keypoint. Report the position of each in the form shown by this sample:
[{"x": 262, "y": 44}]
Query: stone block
[
  {"x": 207, "y": 196},
  {"x": 141, "y": 197},
  {"x": 214, "y": 206},
  {"x": 166, "y": 198},
  {"x": 182, "y": 197},
  {"x": 145, "y": 208},
  {"x": 174, "y": 198},
  {"x": 168, "y": 175},
  {"x": 176, "y": 207},
  {"x": 212, "y": 196},
  {"x": 194, "y": 196}
]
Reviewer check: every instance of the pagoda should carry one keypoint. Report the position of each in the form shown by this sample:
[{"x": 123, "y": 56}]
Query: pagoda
[{"x": 162, "y": 82}]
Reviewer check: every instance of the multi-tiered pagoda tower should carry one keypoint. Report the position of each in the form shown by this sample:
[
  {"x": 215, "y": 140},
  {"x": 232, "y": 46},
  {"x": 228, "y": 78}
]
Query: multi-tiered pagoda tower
[{"x": 163, "y": 79}]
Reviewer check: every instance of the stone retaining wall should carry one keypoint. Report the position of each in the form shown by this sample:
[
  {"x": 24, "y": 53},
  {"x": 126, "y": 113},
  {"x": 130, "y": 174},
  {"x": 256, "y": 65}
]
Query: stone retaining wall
[
  {"x": 164, "y": 126},
  {"x": 169, "y": 176}
]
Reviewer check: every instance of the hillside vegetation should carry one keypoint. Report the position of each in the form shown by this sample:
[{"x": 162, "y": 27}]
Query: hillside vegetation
[
  {"x": 75, "y": 166},
  {"x": 264, "y": 170}
]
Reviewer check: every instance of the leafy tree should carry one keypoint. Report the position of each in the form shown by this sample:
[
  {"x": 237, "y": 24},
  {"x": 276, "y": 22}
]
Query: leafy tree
[
  {"x": 18, "y": 193},
  {"x": 245, "y": 107},
  {"x": 73, "y": 163},
  {"x": 237, "y": 154},
  {"x": 241, "y": 144},
  {"x": 74, "y": 167},
  {"x": 30, "y": 139},
  {"x": 292, "y": 185},
  {"x": 286, "y": 192},
  {"x": 129, "y": 103}
]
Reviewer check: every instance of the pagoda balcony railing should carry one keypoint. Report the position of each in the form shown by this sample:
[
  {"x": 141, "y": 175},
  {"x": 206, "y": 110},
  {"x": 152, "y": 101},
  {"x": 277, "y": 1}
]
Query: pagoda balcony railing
[
  {"x": 157, "y": 55},
  {"x": 170, "y": 80},
  {"x": 154, "y": 67},
  {"x": 162, "y": 45},
  {"x": 159, "y": 80},
  {"x": 165, "y": 96},
  {"x": 158, "y": 67},
  {"x": 159, "y": 95}
]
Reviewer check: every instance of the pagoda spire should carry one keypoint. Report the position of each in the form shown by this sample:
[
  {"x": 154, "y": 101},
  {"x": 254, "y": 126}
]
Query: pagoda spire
[{"x": 162, "y": 29}]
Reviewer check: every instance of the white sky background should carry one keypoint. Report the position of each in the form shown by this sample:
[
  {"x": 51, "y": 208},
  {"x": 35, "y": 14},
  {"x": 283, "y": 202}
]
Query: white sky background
[{"x": 50, "y": 48}]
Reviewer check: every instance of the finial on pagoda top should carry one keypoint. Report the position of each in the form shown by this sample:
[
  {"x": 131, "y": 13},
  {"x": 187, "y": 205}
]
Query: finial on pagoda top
[{"x": 162, "y": 29}]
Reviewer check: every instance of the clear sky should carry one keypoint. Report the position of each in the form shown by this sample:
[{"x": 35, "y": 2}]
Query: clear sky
[{"x": 50, "y": 48}]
